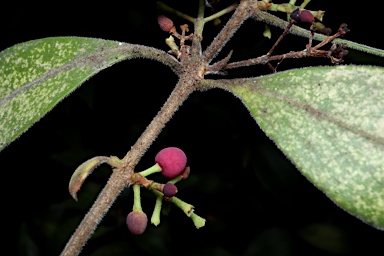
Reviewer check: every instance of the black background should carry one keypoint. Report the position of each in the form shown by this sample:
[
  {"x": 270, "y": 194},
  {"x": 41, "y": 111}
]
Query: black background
[{"x": 255, "y": 201}]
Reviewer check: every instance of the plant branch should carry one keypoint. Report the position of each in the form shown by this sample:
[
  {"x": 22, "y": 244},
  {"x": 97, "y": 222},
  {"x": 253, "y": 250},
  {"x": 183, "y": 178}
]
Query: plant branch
[
  {"x": 304, "y": 4},
  {"x": 335, "y": 53},
  {"x": 265, "y": 59},
  {"x": 286, "y": 30},
  {"x": 123, "y": 172},
  {"x": 198, "y": 30},
  {"x": 295, "y": 30},
  {"x": 191, "y": 74},
  {"x": 165, "y": 8},
  {"x": 241, "y": 14},
  {"x": 221, "y": 13},
  {"x": 107, "y": 196},
  {"x": 184, "y": 87},
  {"x": 200, "y": 11}
]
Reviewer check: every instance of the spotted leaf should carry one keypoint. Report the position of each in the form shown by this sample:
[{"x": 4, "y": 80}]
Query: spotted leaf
[
  {"x": 330, "y": 122},
  {"x": 36, "y": 75}
]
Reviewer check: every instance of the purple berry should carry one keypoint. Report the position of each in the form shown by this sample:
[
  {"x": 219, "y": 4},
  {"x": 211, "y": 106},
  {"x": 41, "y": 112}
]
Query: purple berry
[
  {"x": 172, "y": 161},
  {"x": 169, "y": 189},
  {"x": 295, "y": 14},
  {"x": 137, "y": 222},
  {"x": 306, "y": 16}
]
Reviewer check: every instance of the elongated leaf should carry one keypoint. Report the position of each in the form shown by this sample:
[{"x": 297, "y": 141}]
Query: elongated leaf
[
  {"x": 330, "y": 122},
  {"x": 36, "y": 75}
]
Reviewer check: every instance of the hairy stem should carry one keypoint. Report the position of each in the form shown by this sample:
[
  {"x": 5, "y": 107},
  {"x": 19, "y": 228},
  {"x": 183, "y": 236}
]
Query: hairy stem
[
  {"x": 265, "y": 59},
  {"x": 123, "y": 173},
  {"x": 107, "y": 196},
  {"x": 189, "y": 80},
  {"x": 242, "y": 12},
  {"x": 191, "y": 75}
]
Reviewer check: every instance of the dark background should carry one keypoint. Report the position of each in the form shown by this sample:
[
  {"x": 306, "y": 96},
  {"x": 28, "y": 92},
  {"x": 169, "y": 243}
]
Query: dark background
[{"x": 255, "y": 201}]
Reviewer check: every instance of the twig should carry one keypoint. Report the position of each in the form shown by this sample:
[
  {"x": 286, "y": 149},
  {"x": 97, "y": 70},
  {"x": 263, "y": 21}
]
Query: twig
[
  {"x": 308, "y": 52},
  {"x": 218, "y": 67},
  {"x": 298, "y": 31},
  {"x": 266, "y": 59},
  {"x": 198, "y": 30},
  {"x": 122, "y": 174},
  {"x": 304, "y": 4},
  {"x": 281, "y": 37},
  {"x": 242, "y": 13},
  {"x": 168, "y": 9},
  {"x": 221, "y": 13},
  {"x": 328, "y": 39},
  {"x": 190, "y": 78}
]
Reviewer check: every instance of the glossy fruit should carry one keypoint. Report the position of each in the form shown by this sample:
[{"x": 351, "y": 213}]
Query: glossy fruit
[
  {"x": 172, "y": 161},
  {"x": 137, "y": 222}
]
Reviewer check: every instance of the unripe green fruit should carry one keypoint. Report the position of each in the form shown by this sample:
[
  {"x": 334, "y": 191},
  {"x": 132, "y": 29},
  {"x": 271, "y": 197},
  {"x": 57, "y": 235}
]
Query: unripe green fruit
[
  {"x": 169, "y": 189},
  {"x": 172, "y": 161},
  {"x": 137, "y": 222}
]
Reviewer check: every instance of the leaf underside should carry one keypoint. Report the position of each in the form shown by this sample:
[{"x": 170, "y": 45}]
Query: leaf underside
[
  {"x": 36, "y": 75},
  {"x": 82, "y": 172},
  {"x": 330, "y": 122}
]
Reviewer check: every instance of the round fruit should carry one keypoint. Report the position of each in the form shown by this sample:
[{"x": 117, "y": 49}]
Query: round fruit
[
  {"x": 137, "y": 222},
  {"x": 306, "y": 16},
  {"x": 295, "y": 14},
  {"x": 169, "y": 189},
  {"x": 172, "y": 161}
]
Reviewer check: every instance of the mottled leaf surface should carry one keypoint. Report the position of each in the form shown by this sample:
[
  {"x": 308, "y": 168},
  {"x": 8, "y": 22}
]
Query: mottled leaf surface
[
  {"x": 36, "y": 75},
  {"x": 330, "y": 122}
]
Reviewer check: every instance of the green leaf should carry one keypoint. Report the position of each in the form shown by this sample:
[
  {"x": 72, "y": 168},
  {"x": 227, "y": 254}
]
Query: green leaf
[
  {"x": 330, "y": 122},
  {"x": 36, "y": 75}
]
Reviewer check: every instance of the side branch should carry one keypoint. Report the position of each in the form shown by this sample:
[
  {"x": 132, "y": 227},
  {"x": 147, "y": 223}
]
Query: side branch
[
  {"x": 124, "y": 170},
  {"x": 296, "y": 30},
  {"x": 222, "y": 12},
  {"x": 335, "y": 53},
  {"x": 265, "y": 59},
  {"x": 242, "y": 12},
  {"x": 165, "y": 8}
]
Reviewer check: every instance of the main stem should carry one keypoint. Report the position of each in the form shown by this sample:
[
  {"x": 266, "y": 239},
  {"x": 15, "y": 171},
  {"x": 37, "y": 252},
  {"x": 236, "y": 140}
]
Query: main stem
[
  {"x": 193, "y": 69},
  {"x": 121, "y": 175}
]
